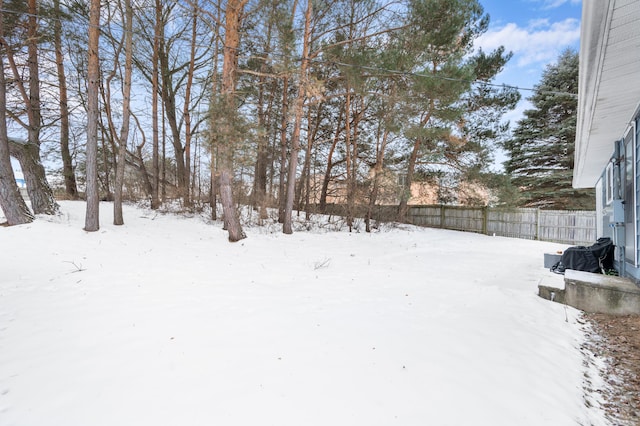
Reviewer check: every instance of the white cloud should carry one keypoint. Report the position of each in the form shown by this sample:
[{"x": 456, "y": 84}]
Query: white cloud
[
  {"x": 538, "y": 24},
  {"x": 540, "y": 41},
  {"x": 552, "y": 4}
]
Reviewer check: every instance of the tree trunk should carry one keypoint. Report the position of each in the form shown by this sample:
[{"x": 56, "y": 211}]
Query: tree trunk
[
  {"x": 297, "y": 200},
  {"x": 259, "y": 197},
  {"x": 311, "y": 136},
  {"x": 34, "y": 175},
  {"x": 213, "y": 197},
  {"x": 353, "y": 179},
  {"x": 348, "y": 157},
  {"x": 213, "y": 180},
  {"x": 406, "y": 193},
  {"x": 118, "y": 218},
  {"x": 327, "y": 173},
  {"x": 306, "y": 169},
  {"x": 260, "y": 180},
  {"x": 372, "y": 199},
  {"x": 92, "y": 222},
  {"x": 138, "y": 161},
  {"x": 42, "y": 196},
  {"x": 282, "y": 197},
  {"x": 287, "y": 226},
  {"x": 68, "y": 172},
  {"x": 107, "y": 165},
  {"x": 377, "y": 171},
  {"x": 231, "y": 220},
  {"x": 40, "y": 193},
  {"x": 303, "y": 186},
  {"x": 155, "y": 163},
  {"x": 234, "y": 12},
  {"x": 186, "y": 110},
  {"x": 169, "y": 102},
  {"x": 11, "y": 202},
  {"x": 163, "y": 180}
]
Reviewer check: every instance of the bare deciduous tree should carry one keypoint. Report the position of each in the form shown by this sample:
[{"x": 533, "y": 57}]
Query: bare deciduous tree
[{"x": 126, "y": 113}]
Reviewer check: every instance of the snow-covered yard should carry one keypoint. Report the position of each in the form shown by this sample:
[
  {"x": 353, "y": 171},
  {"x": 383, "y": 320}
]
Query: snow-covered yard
[{"x": 163, "y": 322}]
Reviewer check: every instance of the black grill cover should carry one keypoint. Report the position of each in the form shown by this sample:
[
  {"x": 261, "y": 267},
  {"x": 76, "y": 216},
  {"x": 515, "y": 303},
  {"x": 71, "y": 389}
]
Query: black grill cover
[{"x": 590, "y": 259}]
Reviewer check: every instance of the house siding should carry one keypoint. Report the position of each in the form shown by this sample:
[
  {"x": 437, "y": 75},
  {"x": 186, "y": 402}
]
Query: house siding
[
  {"x": 606, "y": 226},
  {"x": 632, "y": 267},
  {"x": 608, "y": 104}
]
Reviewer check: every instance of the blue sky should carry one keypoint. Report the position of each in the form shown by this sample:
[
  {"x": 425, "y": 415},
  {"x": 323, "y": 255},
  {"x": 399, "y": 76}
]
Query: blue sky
[{"x": 536, "y": 31}]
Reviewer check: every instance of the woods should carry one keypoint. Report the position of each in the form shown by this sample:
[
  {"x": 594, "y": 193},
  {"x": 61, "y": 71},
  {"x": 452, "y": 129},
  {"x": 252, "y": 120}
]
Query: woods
[{"x": 283, "y": 104}]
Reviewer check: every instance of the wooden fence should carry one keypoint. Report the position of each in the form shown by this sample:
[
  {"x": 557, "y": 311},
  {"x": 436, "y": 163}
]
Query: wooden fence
[
  {"x": 575, "y": 227},
  {"x": 567, "y": 227}
]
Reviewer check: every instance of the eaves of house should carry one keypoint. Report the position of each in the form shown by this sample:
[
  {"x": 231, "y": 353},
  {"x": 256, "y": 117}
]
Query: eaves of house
[{"x": 609, "y": 83}]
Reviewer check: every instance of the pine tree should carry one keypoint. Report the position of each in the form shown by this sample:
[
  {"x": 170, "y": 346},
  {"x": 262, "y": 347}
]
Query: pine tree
[
  {"x": 11, "y": 203},
  {"x": 92, "y": 216},
  {"x": 438, "y": 51},
  {"x": 542, "y": 147}
]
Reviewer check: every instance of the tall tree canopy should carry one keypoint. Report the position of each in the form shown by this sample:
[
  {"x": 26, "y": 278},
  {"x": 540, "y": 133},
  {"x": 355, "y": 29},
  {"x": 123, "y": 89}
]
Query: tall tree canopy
[
  {"x": 542, "y": 147},
  {"x": 283, "y": 103}
]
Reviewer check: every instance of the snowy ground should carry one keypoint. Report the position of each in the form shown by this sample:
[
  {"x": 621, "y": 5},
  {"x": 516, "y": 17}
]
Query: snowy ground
[{"x": 163, "y": 322}]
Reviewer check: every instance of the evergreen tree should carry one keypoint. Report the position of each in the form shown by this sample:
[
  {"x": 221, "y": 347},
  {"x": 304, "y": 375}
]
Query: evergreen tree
[
  {"x": 453, "y": 120},
  {"x": 542, "y": 147},
  {"x": 92, "y": 216}
]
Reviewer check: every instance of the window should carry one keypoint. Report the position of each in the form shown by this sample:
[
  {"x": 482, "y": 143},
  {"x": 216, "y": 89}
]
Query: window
[{"x": 609, "y": 184}]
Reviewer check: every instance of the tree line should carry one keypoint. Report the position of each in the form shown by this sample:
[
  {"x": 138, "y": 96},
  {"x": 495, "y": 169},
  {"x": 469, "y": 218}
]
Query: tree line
[{"x": 265, "y": 103}]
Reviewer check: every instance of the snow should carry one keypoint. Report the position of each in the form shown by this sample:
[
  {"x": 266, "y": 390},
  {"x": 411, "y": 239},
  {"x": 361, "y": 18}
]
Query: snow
[{"x": 162, "y": 321}]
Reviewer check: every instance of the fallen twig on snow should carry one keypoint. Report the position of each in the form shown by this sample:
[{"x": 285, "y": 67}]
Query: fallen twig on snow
[{"x": 78, "y": 268}]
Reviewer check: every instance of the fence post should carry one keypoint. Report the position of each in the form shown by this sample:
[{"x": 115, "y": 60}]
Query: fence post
[
  {"x": 537, "y": 224},
  {"x": 485, "y": 214},
  {"x": 442, "y": 216}
]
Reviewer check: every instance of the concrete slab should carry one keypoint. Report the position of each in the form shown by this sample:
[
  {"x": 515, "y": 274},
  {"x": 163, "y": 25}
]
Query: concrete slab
[{"x": 601, "y": 293}]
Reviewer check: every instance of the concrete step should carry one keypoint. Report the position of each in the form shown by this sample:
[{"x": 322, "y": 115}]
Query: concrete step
[
  {"x": 551, "y": 287},
  {"x": 594, "y": 293}
]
